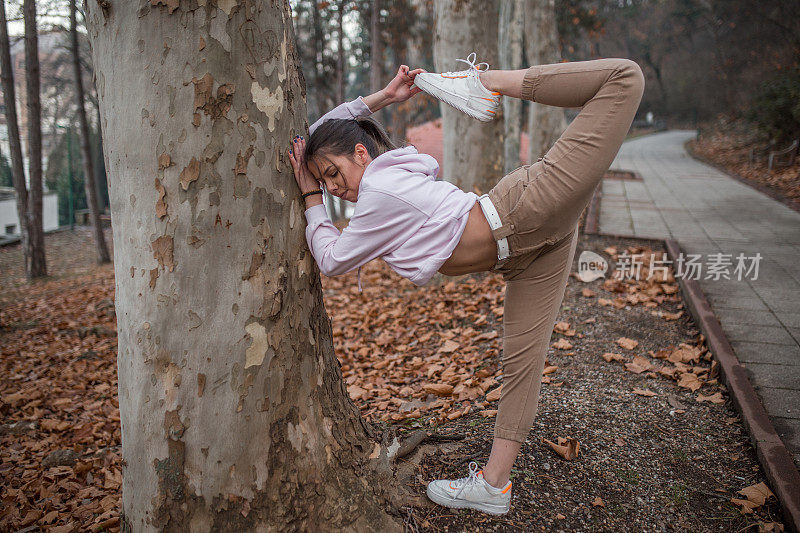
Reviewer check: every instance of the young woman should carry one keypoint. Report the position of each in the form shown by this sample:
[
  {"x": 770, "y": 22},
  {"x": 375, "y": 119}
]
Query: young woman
[{"x": 524, "y": 228}]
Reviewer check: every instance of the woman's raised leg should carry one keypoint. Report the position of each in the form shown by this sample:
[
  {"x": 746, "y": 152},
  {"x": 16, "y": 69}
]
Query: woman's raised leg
[{"x": 539, "y": 206}]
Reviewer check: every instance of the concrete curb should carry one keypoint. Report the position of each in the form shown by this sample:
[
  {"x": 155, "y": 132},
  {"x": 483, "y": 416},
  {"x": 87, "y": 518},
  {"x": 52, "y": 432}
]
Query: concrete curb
[{"x": 775, "y": 459}]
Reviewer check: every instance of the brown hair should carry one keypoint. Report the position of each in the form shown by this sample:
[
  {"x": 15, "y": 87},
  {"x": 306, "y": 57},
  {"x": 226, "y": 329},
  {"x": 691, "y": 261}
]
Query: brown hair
[{"x": 339, "y": 136}]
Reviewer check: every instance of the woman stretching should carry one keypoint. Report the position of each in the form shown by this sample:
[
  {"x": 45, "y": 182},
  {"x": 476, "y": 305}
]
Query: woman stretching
[{"x": 525, "y": 228}]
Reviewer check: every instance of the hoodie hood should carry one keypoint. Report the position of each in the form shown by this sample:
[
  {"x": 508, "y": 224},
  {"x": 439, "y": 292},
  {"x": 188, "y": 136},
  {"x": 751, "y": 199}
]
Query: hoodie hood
[{"x": 404, "y": 159}]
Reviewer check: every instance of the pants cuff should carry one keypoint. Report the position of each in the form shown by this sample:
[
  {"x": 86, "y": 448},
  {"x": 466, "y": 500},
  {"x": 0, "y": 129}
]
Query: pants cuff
[
  {"x": 510, "y": 434},
  {"x": 529, "y": 83}
]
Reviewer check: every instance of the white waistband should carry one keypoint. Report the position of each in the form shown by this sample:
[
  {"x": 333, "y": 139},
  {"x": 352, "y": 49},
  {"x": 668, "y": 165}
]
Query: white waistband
[{"x": 494, "y": 222}]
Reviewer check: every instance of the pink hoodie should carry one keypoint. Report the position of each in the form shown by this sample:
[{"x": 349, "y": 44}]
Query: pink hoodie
[{"x": 403, "y": 214}]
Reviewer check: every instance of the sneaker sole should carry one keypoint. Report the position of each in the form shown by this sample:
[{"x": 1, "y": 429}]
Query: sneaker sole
[
  {"x": 451, "y": 100},
  {"x": 464, "y": 504}
]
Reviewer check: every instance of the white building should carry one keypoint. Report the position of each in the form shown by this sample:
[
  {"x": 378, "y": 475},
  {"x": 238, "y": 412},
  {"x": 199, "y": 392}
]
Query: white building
[{"x": 9, "y": 218}]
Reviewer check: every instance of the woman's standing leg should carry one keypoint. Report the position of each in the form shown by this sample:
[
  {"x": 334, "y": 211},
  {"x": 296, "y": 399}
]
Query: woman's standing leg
[{"x": 539, "y": 206}]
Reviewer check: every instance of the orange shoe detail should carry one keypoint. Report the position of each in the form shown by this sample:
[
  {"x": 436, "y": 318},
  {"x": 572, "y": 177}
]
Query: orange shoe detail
[{"x": 507, "y": 488}]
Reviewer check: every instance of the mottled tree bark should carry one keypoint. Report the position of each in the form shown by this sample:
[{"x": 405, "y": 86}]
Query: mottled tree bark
[
  {"x": 233, "y": 410},
  {"x": 473, "y": 150},
  {"x": 509, "y": 49},
  {"x": 15, "y": 146},
  {"x": 38, "y": 264},
  {"x": 545, "y": 123},
  {"x": 101, "y": 250}
]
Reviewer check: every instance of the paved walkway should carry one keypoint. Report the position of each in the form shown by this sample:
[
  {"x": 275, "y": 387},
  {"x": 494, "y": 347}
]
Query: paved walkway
[{"x": 708, "y": 212}]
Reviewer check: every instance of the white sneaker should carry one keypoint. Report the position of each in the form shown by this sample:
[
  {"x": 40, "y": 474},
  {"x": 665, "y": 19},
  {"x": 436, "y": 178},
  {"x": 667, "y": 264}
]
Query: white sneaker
[
  {"x": 472, "y": 492},
  {"x": 462, "y": 89}
]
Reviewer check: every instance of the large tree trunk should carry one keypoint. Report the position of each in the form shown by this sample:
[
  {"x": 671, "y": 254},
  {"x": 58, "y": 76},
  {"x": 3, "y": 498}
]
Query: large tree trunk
[
  {"x": 15, "y": 146},
  {"x": 233, "y": 410},
  {"x": 545, "y": 123},
  {"x": 101, "y": 249},
  {"x": 509, "y": 49},
  {"x": 38, "y": 267},
  {"x": 473, "y": 150}
]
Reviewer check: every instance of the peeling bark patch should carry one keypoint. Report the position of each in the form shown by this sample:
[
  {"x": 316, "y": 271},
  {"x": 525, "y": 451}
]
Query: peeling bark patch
[
  {"x": 133, "y": 271},
  {"x": 226, "y": 5},
  {"x": 171, "y": 4},
  {"x": 241, "y": 185},
  {"x": 255, "y": 263},
  {"x": 194, "y": 241},
  {"x": 164, "y": 161},
  {"x": 190, "y": 173},
  {"x": 194, "y": 320},
  {"x": 201, "y": 385},
  {"x": 162, "y": 251},
  {"x": 204, "y": 99},
  {"x": 255, "y": 353},
  {"x": 171, "y": 477},
  {"x": 153, "y": 277},
  {"x": 161, "y": 205},
  {"x": 263, "y": 203},
  {"x": 202, "y": 44},
  {"x": 269, "y": 103}
]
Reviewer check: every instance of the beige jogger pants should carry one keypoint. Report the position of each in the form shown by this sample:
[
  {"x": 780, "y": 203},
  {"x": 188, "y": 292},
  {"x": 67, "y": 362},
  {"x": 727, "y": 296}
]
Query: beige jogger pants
[{"x": 539, "y": 206}]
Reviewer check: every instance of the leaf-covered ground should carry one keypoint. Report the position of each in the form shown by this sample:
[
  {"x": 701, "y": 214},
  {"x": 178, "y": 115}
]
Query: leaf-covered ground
[
  {"x": 727, "y": 143},
  {"x": 629, "y": 386}
]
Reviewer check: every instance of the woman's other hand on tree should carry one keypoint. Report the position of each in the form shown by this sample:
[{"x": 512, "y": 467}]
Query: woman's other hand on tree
[
  {"x": 302, "y": 175},
  {"x": 401, "y": 88}
]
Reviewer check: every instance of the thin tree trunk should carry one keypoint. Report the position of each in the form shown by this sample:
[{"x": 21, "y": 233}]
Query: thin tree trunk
[
  {"x": 38, "y": 262},
  {"x": 319, "y": 46},
  {"x": 233, "y": 410},
  {"x": 473, "y": 150},
  {"x": 509, "y": 49},
  {"x": 341, "y": 63},
  {"x": 15, "y": 146},
  {"x": 376, "y": 53},
  {"x": 101, "y": 249},
  {"x": 545, "y": 123}
]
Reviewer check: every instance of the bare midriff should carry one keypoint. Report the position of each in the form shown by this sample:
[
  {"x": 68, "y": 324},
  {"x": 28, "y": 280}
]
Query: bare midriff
[{"x": 476, "y": 251}]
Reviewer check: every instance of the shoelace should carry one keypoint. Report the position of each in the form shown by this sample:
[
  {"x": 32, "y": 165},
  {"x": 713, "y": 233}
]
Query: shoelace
[
  {"x": 472, "y": 66},
  {"x": 468, "y": 481}
]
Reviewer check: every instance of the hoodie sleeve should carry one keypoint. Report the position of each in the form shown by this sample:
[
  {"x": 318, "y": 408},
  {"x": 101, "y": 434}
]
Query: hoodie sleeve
[
  {"x": 352, "y": 109},
  {"x": 380, "y": 224}
]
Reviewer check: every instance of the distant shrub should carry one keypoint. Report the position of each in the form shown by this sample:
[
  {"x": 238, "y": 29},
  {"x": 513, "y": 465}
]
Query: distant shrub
[{"x": 775, "y": 107}]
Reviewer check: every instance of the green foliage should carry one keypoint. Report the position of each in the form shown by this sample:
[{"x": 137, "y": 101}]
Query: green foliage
[
  {"x": 5, "y": 172},
  {"x": 775, "y": 108},
  {"x": 57, "y": 177}
]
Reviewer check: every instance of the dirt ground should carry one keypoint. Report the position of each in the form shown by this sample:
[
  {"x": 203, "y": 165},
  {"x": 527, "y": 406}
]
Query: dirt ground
[{"x": 665, "y": 458}]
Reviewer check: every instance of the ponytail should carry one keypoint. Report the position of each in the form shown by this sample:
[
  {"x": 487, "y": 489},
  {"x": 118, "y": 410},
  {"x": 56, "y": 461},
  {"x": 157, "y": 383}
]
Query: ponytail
[{"x": 337, "y": 136}]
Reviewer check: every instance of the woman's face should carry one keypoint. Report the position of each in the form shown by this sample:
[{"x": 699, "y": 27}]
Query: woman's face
[{"x": 341, "y": 174}]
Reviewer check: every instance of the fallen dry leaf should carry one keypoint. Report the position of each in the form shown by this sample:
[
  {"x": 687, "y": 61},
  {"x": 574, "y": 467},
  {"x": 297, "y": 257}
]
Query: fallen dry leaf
[
  {"x": 562, "y": 344},
  {"x": 628, "y": 344},
  {"x": 644, "y": 392},
  {"x": 567, "y": 448},
  {"x": 598, "y": 502},
  {"x": 714, "y": 398}
]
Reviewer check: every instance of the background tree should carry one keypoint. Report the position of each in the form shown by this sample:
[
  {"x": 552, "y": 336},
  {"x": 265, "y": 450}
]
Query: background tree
[
  {"x": 18, "y": 169},
  {"x": 232, "y": 405},
  {"x": 473, "y": 150},
  {"x": 509, "y": 49},
  {"x": 38, "y": 266},
  {"x": 545, "y": 123},
  {"x": 86, "y": 151}
]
